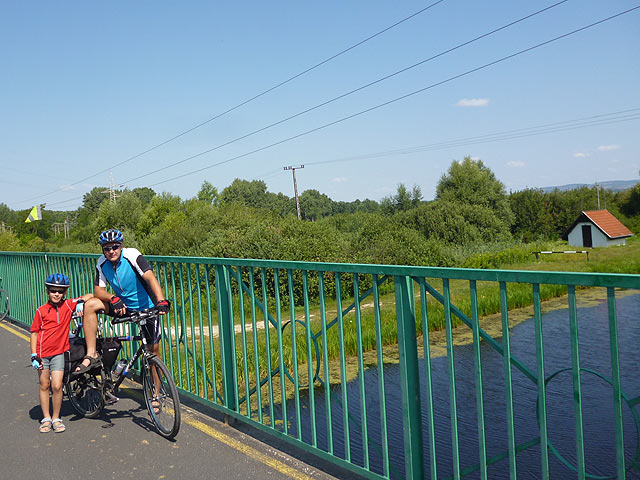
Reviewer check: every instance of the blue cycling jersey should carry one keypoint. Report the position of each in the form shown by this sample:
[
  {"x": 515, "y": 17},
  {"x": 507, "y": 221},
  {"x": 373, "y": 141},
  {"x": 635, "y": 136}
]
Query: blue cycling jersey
[{"x": 126, "y": 278}]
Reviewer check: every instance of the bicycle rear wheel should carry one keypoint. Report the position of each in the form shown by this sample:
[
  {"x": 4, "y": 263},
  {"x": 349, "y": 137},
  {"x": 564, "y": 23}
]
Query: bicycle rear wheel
[
  {"x": 161, "y": 397},
  {"x": 4, "y": 304},
  {"x": 85, "y": 394}
]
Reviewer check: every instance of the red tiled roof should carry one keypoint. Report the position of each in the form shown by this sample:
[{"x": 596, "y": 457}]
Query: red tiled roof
[{"x": 610, "y": 225}]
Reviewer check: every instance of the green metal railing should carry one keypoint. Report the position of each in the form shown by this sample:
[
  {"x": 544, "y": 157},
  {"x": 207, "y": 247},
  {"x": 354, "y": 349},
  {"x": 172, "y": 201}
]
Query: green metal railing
[{"x": 287, "y": 347}]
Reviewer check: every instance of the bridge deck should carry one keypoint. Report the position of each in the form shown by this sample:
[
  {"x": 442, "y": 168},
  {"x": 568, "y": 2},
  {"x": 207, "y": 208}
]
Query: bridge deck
[{"x": 121, "y": 443}]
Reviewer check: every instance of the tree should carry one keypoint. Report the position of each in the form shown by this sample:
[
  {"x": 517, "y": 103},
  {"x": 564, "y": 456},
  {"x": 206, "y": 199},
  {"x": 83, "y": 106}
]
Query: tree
[
  {"x": 144, "y": 194},
  {"x": 530, "y": 214},
  {"x": 315, "y": 205},
  {"x": 402, "y": 201},
  {"x": 208, "y": 193},
  {"x": 471, "y": 182},
  {"x": 92, "y": 200},
  {"x": 251, "y": 194}
]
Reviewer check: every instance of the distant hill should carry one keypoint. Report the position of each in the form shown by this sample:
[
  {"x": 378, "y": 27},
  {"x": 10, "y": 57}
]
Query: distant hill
[{"x": 613, "y": 185}]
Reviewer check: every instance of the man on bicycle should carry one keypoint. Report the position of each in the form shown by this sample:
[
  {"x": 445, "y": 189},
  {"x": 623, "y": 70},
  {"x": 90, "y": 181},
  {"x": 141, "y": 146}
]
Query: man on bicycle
[{"x": 134, "y": 285}]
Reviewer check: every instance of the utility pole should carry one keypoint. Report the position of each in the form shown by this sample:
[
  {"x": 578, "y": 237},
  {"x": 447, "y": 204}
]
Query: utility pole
[
  {"x": 295, "y": 186},
  {"x": 112, "y": 189},
  {"x": 598, "y": 192}
]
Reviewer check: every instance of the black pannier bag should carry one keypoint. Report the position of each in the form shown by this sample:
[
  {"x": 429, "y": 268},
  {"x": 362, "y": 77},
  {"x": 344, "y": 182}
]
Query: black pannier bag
[
  {"x": 110, "y": 350},
  {"x": 75, "y": 354}
]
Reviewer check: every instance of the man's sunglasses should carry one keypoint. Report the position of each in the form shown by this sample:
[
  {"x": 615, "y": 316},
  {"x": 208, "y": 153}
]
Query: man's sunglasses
[
  {"x": 57, "y": 290},
  {"x": 109, "y": 248}
]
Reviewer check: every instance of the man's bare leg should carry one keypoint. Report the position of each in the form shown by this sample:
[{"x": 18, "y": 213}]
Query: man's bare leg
[{"x": 90, "y": 325}]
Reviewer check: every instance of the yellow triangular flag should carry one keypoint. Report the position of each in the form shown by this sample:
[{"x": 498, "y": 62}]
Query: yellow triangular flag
[{"x": 35, "y": 214}]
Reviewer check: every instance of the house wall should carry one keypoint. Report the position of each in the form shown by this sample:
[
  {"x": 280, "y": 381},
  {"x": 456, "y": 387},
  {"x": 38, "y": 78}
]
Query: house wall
[{"x": 598, "y": 238}]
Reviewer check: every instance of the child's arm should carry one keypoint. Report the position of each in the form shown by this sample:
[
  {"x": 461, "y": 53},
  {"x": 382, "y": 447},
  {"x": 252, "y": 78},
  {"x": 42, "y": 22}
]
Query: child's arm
[{"x": 34, "y": 342}]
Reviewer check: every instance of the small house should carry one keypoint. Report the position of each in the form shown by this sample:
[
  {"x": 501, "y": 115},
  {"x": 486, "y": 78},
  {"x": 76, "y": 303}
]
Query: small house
[{"x": 597, "y": 228}]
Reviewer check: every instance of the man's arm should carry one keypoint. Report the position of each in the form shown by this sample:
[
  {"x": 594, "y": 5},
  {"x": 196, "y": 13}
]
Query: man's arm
[
  {"x": 101, "y": 293},
  {"x": 154, "y": 285}
]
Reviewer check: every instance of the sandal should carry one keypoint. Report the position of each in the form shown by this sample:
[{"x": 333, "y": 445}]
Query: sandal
[
  {"x": 58, "y": 426},
  {"x": 45, "y": 425},
  {"x": 93, "y": 363}
]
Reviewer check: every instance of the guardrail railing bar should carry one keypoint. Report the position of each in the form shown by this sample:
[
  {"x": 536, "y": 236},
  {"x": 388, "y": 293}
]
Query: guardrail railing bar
[
  {"x": 343, "y": 370},
  {"x": 508, "y": 385},
  {"x": 294, "y": 352},
  {"x": 267, "y": 339},
  {"x": 325, "y": 361},
  {"x": 254, "y": 333},
  {"x": 363, "y": 397},
  {"x": 424, "y": 312},
  {"x": 307, "y": 317},
  {"x": 577, "y": 391},
  {"x": 245, "y": 357},
  {"x": 452, "y": 380},
  {"x": 542, "y": 387},
  {"x": 615, "y": 379},
  {"x": 283, "y": 391},
  {"x": 477, "y": 363},
  {"x": 214, "y": 376},
  {"x": 381, "y": 389}
]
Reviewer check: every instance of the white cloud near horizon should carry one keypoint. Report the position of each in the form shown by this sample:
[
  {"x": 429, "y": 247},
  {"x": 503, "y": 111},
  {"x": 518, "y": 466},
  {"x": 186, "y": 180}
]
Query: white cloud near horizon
[
  {"x": 581, "y": 155},
  {"x": 473, "y": 102},
  {"x": 339, "y": 180},
  {"x": 515, "y": 164},
  {"x": 606, "y": 148}
]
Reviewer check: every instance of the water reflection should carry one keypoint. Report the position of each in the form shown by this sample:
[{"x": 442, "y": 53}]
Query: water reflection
[{"x": 597, "y": 401}]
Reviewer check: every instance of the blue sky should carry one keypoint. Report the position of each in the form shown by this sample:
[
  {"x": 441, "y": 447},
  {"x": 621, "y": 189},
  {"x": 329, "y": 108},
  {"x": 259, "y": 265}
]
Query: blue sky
[{"x": 87, "y": 86}]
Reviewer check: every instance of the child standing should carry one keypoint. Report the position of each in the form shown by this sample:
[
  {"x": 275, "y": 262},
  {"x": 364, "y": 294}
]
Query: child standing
[{"x": 49, "y": 341}]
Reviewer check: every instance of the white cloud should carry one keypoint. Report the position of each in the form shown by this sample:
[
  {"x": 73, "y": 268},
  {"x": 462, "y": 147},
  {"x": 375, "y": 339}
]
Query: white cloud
[
  {"x": 606, "y": 148},
  {"x": 475, "y": 159},
  {"x": 473, "y": 102},
  {"x": 67, "y": 188},
  {"x": 339, "y": 180},
  {"x": 515, "y": 164},
  {"x": 581, "y": 155}
]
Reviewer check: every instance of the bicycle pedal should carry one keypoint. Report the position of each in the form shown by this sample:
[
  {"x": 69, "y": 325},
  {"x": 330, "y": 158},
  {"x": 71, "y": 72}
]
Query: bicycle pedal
[{"x": 110, "y": 399}]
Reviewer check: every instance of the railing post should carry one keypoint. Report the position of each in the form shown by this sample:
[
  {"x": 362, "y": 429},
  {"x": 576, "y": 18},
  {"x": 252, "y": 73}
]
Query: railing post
[
  {"x": 226, "y": 329},
  {"x": 409, "y": 378}
]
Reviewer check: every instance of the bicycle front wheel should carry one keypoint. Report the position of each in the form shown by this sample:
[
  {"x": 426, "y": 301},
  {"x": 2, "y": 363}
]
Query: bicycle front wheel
[
  {"x": 85, "y": 394},
  {"x": 4, "y": 304},
  {"x": 161, "y": 397}
]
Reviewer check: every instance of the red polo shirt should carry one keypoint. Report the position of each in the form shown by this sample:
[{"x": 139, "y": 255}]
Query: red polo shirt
[{"x": 51, "y": 322}]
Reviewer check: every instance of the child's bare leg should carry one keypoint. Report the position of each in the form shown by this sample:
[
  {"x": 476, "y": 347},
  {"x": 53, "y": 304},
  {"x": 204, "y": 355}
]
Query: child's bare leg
[
  {"x": 44, "y": 392},
  {"x": 56, "y": 387}
]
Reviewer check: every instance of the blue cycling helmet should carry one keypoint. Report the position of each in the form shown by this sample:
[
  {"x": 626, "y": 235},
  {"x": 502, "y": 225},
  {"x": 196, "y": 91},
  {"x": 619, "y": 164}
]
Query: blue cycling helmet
[
  {"x": 57, "y": 280},
  {"x": 111, "y": 236}
]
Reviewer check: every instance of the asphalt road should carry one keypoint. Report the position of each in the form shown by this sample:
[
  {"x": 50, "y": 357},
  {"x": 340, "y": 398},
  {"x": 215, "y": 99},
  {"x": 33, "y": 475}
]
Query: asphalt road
[{"x": 122, "y": 442}]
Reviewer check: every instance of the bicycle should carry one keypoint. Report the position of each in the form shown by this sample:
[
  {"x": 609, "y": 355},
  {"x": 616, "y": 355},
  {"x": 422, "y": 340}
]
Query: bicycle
[
  {"x": 4, "y": 303},
  {"x": 90, "y": 391}
]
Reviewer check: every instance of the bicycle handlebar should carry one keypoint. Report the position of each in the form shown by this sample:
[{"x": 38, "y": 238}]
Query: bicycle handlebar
[{"x": 136, "y": 316}]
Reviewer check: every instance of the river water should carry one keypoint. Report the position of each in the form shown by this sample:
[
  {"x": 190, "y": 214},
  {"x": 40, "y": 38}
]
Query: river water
[{"x": 597, "y": 398}]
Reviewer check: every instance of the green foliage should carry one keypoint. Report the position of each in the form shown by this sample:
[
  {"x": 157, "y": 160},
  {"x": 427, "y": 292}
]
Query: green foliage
[
  {"x": 470, "y": 182},
  {"x": 208, "y": 193},
  {"x": 315, "y": 205},
  {"x": 402, "y": 201}
]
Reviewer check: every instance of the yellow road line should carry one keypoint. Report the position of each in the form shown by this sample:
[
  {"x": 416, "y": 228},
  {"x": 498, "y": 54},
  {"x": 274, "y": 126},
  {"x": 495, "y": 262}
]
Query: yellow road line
[
  {"x": 247, "y": 450},
  {"x": 15, "y": 332},
  {"x": 221, "y": 437}
]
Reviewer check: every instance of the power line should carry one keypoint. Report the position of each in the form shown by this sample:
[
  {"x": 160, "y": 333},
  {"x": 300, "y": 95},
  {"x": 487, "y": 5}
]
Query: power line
[
  {"x": 555, "y": 127},
  {"x": 493, "y": 137},
  {"x": 397, "y": 99},
  {"x": 271, "y": 89},
  {"x": 351, "y": 92}
]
